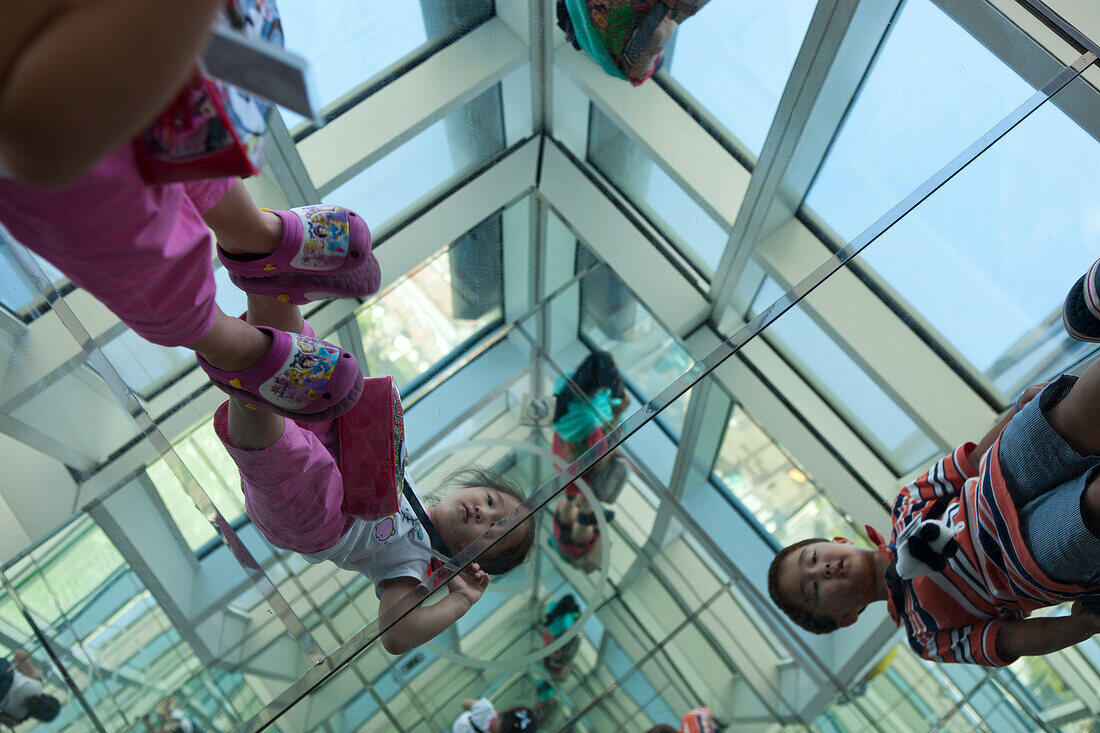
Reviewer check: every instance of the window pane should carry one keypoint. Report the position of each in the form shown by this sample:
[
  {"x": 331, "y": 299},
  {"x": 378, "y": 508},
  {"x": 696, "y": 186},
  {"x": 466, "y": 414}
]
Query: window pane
[
  {"x": 349, "y": 41},
  {"x": 616, "y": 321},
  {"x": 206, "y": 459},
  {"x": 444, "y": 152},
  {"x": 826, "y": 364},
  {"x": 699, "y": 237},
  {"x": 768, "y": 483},
  {"x": 436, "y": 308},
  {"x": 755, "y": 44},
  {"x": 921, "y": 105}
]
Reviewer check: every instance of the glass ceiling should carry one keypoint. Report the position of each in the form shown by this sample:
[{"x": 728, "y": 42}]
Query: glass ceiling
[{"x": 706, "y": 229}]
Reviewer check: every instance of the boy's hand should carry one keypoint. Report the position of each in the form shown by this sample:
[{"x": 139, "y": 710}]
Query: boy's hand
[
  {"x": 1030, "y": 393},
  {"x": 1088, "y": 609},
  {"x": 470, "y": 583}
]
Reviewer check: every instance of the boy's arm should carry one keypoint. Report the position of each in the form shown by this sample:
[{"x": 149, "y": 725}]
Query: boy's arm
[
  {"x": 468, "y": 703},
  {"x": 78, "y": 79},
  {"x": 426, "y": 622},
  {"x": 1036, "y": 636}
]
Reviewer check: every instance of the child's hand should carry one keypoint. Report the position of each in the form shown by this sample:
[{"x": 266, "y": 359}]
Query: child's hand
[
  {"x": 1088, "y": 609},
  {"x": 470, "y": 583}
]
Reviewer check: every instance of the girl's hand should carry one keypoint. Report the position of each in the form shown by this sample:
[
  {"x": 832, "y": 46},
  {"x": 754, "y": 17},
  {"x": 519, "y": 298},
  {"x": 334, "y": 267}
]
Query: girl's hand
[{"x": 469, "y": 584}]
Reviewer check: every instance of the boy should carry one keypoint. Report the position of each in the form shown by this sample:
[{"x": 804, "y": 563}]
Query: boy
[{"x": 1024, "y": 507}]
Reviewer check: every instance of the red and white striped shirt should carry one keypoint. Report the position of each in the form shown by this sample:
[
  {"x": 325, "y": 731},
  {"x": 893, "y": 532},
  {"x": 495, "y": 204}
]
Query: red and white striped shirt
[{"x": 955, "y": 615}]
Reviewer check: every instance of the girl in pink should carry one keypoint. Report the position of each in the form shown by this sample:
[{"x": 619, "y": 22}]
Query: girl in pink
[
  {"x": 70, "y": 190},
  {"x": 294, "y": 493}
]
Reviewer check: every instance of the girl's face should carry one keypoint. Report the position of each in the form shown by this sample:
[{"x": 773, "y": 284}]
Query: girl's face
[{"x": 465, "y": 514}]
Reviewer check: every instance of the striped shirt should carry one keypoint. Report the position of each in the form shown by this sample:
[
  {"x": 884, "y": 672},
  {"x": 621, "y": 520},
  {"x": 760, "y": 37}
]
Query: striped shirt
[{"x": 955, "y": 615}]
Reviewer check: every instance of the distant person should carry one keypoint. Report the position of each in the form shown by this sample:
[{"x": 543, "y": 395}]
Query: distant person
[
  {"x": 699, "y": 720},
  {"x": 481, "y": 717},
  {"x": 21, "y": 696}
]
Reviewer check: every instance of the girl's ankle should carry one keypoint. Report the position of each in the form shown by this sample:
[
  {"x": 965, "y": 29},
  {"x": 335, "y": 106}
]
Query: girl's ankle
[{"x": 258, "y": 241}]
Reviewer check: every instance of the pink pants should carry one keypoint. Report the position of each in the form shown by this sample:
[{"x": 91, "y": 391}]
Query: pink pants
[
  {"x": 143, "y": 251},
  {"x": 293, "y": 490}
]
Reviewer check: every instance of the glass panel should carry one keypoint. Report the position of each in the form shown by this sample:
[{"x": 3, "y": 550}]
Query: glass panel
[
  {"x": 614, "y": 319},
  {"x": 917, "y": 109},
  {"x": 829, "y": 365},
  {"x": 361, "y": 38},
  {"x": 771, "y": 485},
  {"x": 206, "y": 459},
  {"x": 986, "y": 238},
  {"x": 444, "y": 152},
  {"x": 453, "y": 297},
  {"x": 671, "y": 209},
  {"x": 755, "y": 45}
]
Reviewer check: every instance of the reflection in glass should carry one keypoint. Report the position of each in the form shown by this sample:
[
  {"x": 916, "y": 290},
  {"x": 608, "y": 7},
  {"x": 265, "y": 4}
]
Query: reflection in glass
[
  {"x": 428, "y": 314},
  {"x": 353, "y": 40},
  {"x": 780, "y": 493},
  {"x": 826, "y": 362},
  {"x": 651, "y": 189},
  {"x": 615, "y": 320},
  {"x": 447, "y": 150}
]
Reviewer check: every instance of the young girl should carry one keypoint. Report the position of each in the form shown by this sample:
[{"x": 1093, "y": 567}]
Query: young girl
[
  {"x": 580, "y": 421},
  {"x": 70, "y": 105},
  {"x": 294, "y": 494},
  {"x": 482, "y": 717}
]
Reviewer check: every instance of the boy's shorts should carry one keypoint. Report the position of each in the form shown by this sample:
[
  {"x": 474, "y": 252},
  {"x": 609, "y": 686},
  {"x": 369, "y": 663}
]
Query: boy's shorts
[{"x": 1046, "y": 479}]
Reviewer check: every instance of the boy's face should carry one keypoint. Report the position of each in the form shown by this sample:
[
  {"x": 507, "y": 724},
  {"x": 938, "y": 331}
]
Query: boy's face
[{"x": 833, "y": 579}]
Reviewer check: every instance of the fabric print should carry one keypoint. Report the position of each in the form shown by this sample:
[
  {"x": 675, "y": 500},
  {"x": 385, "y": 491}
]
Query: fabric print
[
  {"x": 307, "y": 374},
  {"x": 385, "y": 528},
  {"x": 325, "y": 240}
]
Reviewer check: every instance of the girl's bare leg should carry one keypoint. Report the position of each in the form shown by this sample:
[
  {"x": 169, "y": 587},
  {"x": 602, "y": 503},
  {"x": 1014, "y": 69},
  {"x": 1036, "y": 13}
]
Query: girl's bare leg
[
  {"x": 241, "y": 228},
  {"x": 255, "y": 429},
  {"x": 232, "y": 344}
]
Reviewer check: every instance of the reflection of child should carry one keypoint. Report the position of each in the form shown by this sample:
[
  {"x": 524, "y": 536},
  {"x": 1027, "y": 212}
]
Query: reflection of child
[
  {"x": 22, "y": 697},
  {"x": 481, "y": 717},
  {"x": 294, "y": 494},
  {"x": 75, "y": 196},
  {"x": 699, "y": 720},
  {"x": 1021, "y": 512},
  {"x": 560, "y": 616},
  {"x": 580, "y": 420}
]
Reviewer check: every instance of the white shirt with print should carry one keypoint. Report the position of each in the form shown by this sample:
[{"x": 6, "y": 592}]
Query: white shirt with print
[
  {"x": 481, "y": 714},
  {"x": 392, "y": 547}
]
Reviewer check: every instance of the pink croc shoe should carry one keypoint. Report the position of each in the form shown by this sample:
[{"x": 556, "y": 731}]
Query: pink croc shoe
[
  {"x": 325, "y": 253},
  {"x": 300, "y": 377}
]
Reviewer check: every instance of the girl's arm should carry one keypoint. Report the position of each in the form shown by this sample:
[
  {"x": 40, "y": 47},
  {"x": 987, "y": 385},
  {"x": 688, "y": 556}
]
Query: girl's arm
[
  {"x": 80, "y": 77},
  {"x": 468, "y": 703},
  {"x": 426, "y": 622}
]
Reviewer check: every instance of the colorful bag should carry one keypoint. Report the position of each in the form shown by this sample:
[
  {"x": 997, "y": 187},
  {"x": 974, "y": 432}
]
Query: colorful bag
[
  {"x": 212, "y": 129},
  {"x": 372, "y": 451},
  {"x": 625, "y": 37}
]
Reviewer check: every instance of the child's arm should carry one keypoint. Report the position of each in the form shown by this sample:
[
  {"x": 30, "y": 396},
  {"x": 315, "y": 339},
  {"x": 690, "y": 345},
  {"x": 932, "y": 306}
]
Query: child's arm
[
  {"x": 25, "y": 664},
  {"x": 468, "y": 703},
  {"x": 1035, "y": 636},
  {"x": 426, "y": 622},
  {"x": 80, "y": 77}
]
